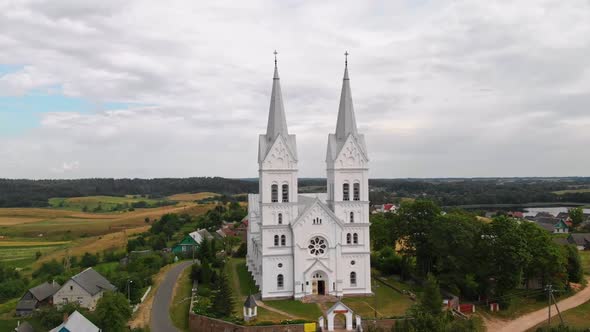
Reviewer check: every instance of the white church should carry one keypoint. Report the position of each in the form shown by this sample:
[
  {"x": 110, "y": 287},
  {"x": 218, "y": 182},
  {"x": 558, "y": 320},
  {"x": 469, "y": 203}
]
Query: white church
[{"x": 310, "y": 244}]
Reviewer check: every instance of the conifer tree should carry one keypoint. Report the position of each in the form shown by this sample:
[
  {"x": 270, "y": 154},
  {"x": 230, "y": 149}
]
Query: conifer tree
[{"x": 223, "y": 302}]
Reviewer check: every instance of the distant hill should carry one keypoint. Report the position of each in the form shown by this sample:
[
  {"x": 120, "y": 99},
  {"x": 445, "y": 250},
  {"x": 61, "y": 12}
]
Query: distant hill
[
  {"x": 36, "y": 193},
  {"x": 444, "y": 191}
]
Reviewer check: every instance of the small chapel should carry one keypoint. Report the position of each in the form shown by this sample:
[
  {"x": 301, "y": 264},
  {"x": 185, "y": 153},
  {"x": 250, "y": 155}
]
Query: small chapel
[{"x": 303, "y": 245}]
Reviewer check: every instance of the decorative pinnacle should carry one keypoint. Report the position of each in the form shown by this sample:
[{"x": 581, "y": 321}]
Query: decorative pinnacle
[
  {"x": 346, "y": 58},
  {"x": 275, "y": 53}
]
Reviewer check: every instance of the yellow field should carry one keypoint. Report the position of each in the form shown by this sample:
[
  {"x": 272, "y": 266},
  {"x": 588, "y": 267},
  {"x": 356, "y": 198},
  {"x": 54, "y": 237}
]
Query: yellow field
[
  {"x": 54, "y": 223},
  {"x": 572, "y": 191},
  {"x": 188, "y": 197},
  {"x": 4, "y": 243}
]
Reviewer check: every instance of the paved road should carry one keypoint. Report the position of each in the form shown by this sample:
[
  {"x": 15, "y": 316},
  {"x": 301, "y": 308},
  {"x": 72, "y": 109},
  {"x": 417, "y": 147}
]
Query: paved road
[
  {"x": 530, "y": 320},
  {"x": 160, "y": 321}
]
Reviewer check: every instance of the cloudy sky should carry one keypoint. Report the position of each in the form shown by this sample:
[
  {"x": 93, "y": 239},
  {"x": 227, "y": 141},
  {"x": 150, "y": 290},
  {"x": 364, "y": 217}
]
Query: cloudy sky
[{"x": 181, "y": 88}]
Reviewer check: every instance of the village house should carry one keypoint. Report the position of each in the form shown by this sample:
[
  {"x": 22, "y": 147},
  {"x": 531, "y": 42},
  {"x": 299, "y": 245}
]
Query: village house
[
  {"x": 190, "y": 241},
  {"x": 85, "y": 288},
  {"x": 36, "y": 297},
  {"x": 552, "y": 225},
  {"x": 384, "y": 208},
  {"x": 76, "y": 322},
  {"x": 580, "y": 240}
]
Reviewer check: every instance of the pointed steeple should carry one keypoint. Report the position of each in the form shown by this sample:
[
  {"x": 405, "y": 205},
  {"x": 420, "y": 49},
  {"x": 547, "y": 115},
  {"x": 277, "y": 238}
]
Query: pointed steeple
[
  {"x": 346, "y": 122},
  {"x": 277, "y": 121}
]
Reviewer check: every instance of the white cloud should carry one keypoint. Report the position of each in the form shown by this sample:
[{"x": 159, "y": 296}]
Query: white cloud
[{"x": 441, "y": 88}]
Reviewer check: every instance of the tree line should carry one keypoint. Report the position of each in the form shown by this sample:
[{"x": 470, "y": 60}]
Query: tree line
[{"x": 470, "y": 257}]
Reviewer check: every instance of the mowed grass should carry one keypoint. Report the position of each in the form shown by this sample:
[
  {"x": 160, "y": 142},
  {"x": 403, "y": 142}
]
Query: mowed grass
[
  {"x": 585, "y": 256},
  {"x": 307, "y": 311},
  {"x": 578, "y": 318},
  {"x": 385, "y": 303},
  {"x": 107, "y": 203},
  {"x": 190, "y": 197}
]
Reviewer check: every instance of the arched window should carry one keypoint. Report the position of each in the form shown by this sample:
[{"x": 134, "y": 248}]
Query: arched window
[
  {"x": 274, "y": 193},
  {"x": 345, "y": 192},
  {"x": 352, "y": 217},
  {"x": 355, "y": 238},
  {"x": 280, "y": 217},
  {"x": 283, "y": 240},
  {"x": 276, "y": 240},
  {"x": 353, "y": 278},
  {"x": 280, "y": 281},
  {"x": 285, "y": 193},
  {"x": 348, "y": 238},
  {"x": 356, "y": 191}
]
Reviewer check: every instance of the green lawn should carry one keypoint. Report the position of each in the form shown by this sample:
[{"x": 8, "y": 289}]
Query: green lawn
[
  {"x": 308, "y": 311},
  {"x": 578, "y": 317},
  {"x": 180, "y": 305},
  {"x": 386, "y": 302},
  {"x": 585, "y": 256},
  {"x": 522, "y": 303}
]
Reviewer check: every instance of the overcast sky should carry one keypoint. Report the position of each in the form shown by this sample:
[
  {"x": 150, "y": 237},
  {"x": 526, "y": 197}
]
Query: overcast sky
[{"x": 181, "y": 88}]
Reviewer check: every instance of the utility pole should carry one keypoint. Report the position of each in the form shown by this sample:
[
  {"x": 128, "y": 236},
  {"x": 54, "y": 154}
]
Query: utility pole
[{"x": 557, "y": 308}]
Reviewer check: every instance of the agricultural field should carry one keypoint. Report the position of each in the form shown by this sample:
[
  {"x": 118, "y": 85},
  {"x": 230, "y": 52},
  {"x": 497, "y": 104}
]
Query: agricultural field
[
  {"x": 20, "y": 253},
  {"x": 572, "y": 191},
  {"x": 60, "y": 225},
  {"x": 188, "y": 197},
  {"x": 101, "y": 203}
]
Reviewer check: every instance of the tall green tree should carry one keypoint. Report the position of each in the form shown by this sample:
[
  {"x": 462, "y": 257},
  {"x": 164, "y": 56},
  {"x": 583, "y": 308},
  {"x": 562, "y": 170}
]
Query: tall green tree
[
  {"x": 575, "y": 271},
  {"x": 223, "y": 302},
  {"x": 112, "y": 312},
  {"x": 576, "y": 215},
  {"x": 431, "y": 299}
]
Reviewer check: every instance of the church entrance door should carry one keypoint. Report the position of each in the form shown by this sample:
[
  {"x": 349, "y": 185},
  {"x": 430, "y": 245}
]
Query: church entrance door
[
  {"x": 321, "y": 287},
  {"x": 314, "y": 287}
]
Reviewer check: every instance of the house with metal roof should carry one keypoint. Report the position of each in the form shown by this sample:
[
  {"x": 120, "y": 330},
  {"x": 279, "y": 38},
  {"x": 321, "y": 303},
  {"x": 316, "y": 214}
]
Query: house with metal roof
[
  {"x": 36, "y": 297},
  {"x": 85, "y": 288},
  {"x": 76, "y": 322},
  {"x": 580, "y": 240}
]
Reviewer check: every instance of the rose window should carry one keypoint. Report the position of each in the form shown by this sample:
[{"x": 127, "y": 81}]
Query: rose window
[{"x": 317, "y": 246}]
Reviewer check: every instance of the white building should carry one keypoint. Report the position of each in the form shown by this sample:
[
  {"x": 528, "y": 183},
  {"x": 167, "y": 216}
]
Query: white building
[
  {"x": 85, "y": 289},
  {"x": 307, "y": 244}
]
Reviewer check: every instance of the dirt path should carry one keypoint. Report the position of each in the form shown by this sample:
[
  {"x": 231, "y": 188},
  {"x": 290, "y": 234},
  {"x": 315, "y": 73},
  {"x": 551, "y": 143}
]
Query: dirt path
[{"x": 530, "y": 320}]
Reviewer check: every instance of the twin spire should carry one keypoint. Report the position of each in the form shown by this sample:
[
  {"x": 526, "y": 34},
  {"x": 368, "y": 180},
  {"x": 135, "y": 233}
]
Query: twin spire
[{"x": 277, "y": 121}]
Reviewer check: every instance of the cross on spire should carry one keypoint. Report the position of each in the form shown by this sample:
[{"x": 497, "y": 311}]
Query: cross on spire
[
  {"x": 346, "y": 58},
  {"x": 275, "y": 53}
]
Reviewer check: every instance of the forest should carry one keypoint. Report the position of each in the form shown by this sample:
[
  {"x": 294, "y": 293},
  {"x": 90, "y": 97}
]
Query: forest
[{"x": 445, "y": 192}]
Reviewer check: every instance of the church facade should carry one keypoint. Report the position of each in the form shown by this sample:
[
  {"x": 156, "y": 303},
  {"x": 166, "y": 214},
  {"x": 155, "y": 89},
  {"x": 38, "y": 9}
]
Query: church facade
[{"x": 310, "y": 244}]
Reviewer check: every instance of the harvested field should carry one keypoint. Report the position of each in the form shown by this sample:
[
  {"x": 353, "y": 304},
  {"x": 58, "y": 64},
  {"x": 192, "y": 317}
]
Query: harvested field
[{"x": 188, "y": 197}]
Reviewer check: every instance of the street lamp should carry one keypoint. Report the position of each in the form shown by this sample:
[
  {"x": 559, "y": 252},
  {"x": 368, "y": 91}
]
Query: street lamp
[{"x": 129, "y": 282}]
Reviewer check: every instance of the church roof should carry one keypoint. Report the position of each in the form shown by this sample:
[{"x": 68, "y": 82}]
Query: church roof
[
  {"x": 277, "y": 121},
  {"x": 346, "y": 121}
]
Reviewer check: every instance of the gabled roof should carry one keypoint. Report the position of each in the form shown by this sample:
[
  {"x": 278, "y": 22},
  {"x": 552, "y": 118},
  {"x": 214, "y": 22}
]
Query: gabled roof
[
  {"x": 339, "y": 306},
  {"x": 26, "y": 305},
  {"x": 76, "y": 322},
  {"x": 250, "y": 302},
  {"x": 307, "y": 203},
  {"x": 92, "y": 281},
  {"x": 580, "y": 239},
  {"x": 24, "y": 327},
  {"x": 44, "y": 290},
  {"x": 318, "y": 262}
]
